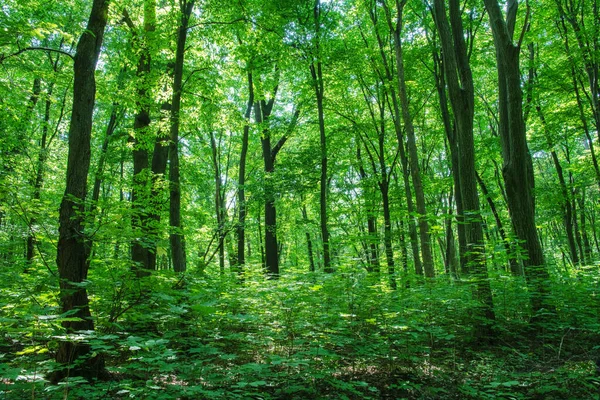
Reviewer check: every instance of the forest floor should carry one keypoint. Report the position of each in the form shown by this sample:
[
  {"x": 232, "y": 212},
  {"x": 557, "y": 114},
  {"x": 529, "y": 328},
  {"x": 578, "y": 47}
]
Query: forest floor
[{"x": 304, "y": 336}]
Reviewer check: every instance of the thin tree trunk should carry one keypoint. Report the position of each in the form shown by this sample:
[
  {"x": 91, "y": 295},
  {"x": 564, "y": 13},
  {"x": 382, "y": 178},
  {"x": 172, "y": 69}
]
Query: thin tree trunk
[
  {"x": 412, "y": 145},
  {"x": 514, "y": 265},
  {"x": 317, "y": 77},
  {"x": 219, "y": 203},
  {"x": 41, "y": 164},
  {"x": 309, "y": 244},
  {"x": 176, "y": 236},
  {"x": 372, "y": 237},
  {"x": 397, "y": 115},
  {"x": 241, "y": 227}
]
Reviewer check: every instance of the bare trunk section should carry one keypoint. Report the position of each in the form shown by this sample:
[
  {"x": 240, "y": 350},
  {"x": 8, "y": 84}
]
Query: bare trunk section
[
  {"x": 262, "y": 113},
  {"x": 450, "y": 130},
  {"x": 219, "y": 202},
  {"x": 517, "y": 169},
  {"x": 372, "y": 236},
  {"x": 73, "y": 246},
  {"x": 460, "y": 87},
  {"x": 413, "y": 155},
  {"x": 176, "y": 236},
  {"x": 241, "y": 227},
  {"x": 407, "y": 167},
  {"x": 316, "y": 70}
]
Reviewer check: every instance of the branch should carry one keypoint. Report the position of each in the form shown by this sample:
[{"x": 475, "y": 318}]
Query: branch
[
  {"x": 128, "y": 21},
  {"x": 241, "y": 19},
  {"x": 525, "y": 25},
  {"x": 284, "y": 138},
  {"x": 31, "y": 48}
]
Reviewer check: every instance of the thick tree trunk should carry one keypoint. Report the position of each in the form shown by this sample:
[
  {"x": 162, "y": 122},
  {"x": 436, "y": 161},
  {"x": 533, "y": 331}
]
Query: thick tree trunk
[
  {"x": 262, "y": 111},
  {"x": 176, "y": 236},
  {"x": 73, "y": 245},
  {"x": 460, "y": 87},
  {"x": 139, "y": 140},
  {"x": 517, "y": 169},
  {"x": 160, "y": 158}
]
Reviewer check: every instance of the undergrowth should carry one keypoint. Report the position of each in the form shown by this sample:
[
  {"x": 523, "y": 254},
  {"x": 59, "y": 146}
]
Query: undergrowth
[{"x": 304, "y": 336}]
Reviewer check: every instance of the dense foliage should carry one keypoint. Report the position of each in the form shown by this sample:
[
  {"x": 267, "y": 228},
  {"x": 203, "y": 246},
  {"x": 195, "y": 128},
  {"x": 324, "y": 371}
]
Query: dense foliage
[{"x": 299, "y": 199}]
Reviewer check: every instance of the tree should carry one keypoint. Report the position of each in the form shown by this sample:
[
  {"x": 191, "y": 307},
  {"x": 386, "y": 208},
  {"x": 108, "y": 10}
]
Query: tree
[
  {"x": 242, "y": 211},
  {"x": 73, "y": 248},
  {"x": 517, "y": 169},
  {"x": 176, "y": 236},
  {"x": 262, "y": 113},
  {"x": 411, "y": 144},
  {"x": 316, "y": 71},
  {"x": 459, "y": 79}
]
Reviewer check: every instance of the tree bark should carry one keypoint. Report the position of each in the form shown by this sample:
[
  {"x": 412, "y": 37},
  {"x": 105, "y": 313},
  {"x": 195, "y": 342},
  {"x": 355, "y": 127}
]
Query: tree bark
[
  {"x": 139, "y": 140},
  {"x": 219, "y": 202},
  {"x": 450, "y": 130},
  {"x": 413, "y": 155},
  {"x": 176, "y": 237},
  {"x": 316, "y": 71},
  {"x": 462, "y": 98},
  {"x": 309, "y": 244},
  {"x": 404, "y": 159},
  {"x": 372, "y": 236},
  {"x": 73, "y": 246},
  {"x": 517, "y": 170},
  {"x": 241, "y": 227}
]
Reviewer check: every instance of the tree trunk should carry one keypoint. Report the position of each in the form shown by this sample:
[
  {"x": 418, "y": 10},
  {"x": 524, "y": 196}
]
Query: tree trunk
[
  {"x": 452, "y": 148},
  {"x": 219, "y": 203},
  {"x": 412, "y": 229},
  {"x": 241, "y": 227},
  {"x": 462, "y": 98},
  {"x": 176, "y": 236},
  {"x": 140, "y": 195},
  {"x": 514, "y": 265},
  {"x": 73, "y": 245},
  {"x": 413, "y": 155},
  {"x": 309, "y": 244},
  {"x": 517, "y": 169},
  {"x": 41, "y": 165},
  {"x": 317, "y": 77},
  {"x": 372, "y": 237},
  {"x": 387, "y": 234}
]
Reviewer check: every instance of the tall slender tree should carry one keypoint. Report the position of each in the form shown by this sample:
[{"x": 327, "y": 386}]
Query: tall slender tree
[{"x": 176, "y": 237}]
